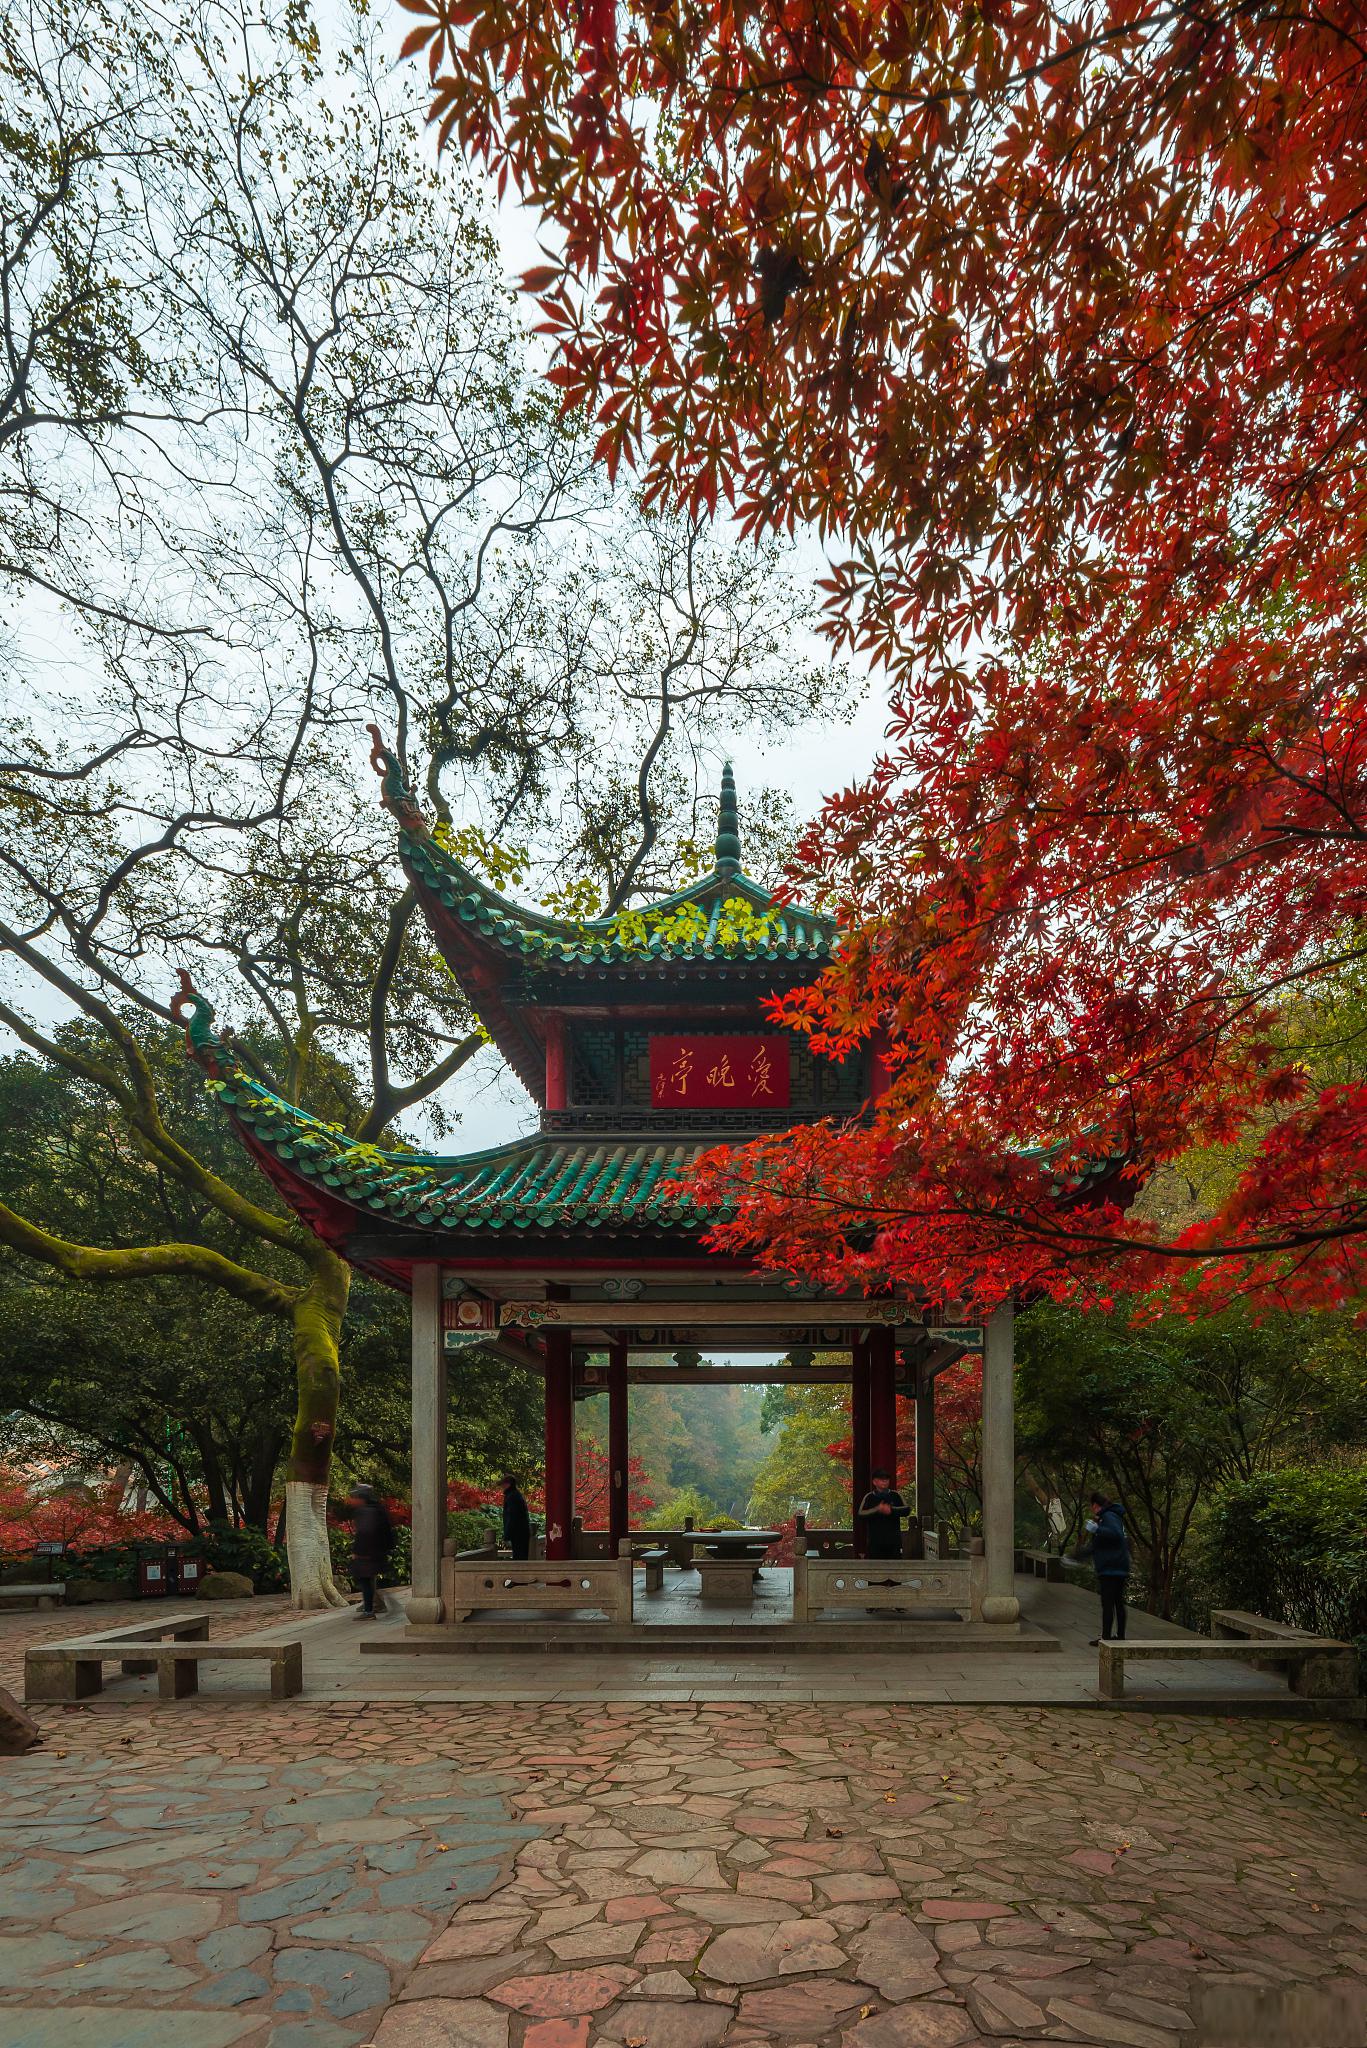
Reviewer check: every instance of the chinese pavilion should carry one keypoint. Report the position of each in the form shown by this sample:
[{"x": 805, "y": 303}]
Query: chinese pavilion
[{"x": 642, "y": 1039}]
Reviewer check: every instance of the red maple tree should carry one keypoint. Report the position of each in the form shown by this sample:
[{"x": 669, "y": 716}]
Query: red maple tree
[
  {"x": 591, "y": 1487},
  {"x": 590, "y": 1490},
  {"x": 1053, "y": 322},
  {"x": 82, "y": 1518}
]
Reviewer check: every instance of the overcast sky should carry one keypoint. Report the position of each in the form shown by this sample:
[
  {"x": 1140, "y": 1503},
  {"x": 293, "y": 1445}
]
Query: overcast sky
[{"x": 810, "y": 762}]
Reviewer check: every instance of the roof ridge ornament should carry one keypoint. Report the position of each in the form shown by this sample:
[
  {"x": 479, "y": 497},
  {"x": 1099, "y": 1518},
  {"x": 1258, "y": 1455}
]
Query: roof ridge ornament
[
  {"x": 727, "y": 858},
  {"x": 202, "y": 1042},
  {"x": 397, "y": 797}
]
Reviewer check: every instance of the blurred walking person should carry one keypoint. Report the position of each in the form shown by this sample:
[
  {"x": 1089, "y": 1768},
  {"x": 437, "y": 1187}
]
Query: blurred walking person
[{"x": 372, "y": 1539}]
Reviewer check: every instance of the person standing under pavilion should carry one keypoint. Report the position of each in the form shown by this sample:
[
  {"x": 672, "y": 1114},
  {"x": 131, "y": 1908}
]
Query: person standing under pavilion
[
  {"x": 517, "y": 1521},
  {"x": 882, "y": 1511}
]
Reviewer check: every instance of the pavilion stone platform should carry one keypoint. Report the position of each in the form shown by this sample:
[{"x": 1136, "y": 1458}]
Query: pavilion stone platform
[
  {"x": 822, "y": 1605},
  {"x": 578, "y": 1254},
  {"x": 348, "y": 1661}
]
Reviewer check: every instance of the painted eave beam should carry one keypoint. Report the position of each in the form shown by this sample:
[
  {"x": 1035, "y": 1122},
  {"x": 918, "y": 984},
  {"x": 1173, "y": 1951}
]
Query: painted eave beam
[{"x": 649, "y": 1315}]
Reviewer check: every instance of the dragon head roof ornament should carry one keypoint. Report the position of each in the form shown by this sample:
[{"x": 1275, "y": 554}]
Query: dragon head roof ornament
[
  {"x": 397, "y": 797},
  {"x": 202, "y": 1042}
]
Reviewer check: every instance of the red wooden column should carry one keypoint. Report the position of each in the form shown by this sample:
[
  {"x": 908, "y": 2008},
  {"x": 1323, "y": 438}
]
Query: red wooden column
[
  {"x": 559, "y": 1442},
  {"x": 619, "y": 1514},
  {"x": 859, "y": 1432},
  {"x": 883, "y": 1401},
  {"x": 557, "y": 1062}
]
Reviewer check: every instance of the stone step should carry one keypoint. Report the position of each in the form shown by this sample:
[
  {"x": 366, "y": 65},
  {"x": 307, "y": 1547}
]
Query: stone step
[{"x": 777, "y": 1639}]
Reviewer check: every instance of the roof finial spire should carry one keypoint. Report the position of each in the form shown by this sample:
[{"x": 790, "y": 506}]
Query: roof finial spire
[{"x": 728, "y": 826}]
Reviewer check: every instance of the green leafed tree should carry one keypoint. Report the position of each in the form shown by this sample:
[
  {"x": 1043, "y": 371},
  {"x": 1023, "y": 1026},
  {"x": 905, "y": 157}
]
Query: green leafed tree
[
  {"x": 179, "y": 1382},
  {"x": 804, "y": 1422},
  {"x": 1161, "y": 1412},
  {"x": 273, "y": 465}
]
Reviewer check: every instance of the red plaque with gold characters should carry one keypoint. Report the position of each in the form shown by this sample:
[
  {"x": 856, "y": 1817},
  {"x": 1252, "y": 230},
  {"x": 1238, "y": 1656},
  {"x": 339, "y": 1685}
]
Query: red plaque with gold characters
[{"x": 718, "y": 1073}]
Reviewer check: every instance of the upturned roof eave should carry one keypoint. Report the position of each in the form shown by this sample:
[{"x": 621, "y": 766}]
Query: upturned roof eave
[{"x": 561, "y": 944}]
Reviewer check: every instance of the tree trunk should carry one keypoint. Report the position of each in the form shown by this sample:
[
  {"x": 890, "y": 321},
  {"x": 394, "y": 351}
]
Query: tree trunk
[
  {"x": 212, "y": 1470},
  {"x": 256, "y": 1482},
  {"x": 317, "y": 1326}
]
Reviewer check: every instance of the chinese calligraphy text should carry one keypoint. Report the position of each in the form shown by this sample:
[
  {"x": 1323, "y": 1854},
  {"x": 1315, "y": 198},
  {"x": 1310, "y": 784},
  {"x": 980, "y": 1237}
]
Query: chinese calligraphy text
[{"x": 719, "y": 1073}]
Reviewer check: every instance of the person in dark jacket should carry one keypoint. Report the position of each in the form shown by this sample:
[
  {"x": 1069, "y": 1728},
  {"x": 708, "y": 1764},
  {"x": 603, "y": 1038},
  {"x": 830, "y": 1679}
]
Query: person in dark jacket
[
  {"x": 881, "y": 1512},
  {"x": 372, "y": 1539},
  {"x": 517, "y": 1521},
  {"x": 1109, "y": 1556}
]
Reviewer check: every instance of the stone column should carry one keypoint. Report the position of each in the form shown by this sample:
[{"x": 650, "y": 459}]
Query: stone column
[
  {"x": 859, "y": 1434},
  {"x": 559, "y": 1442},
  {"x": 619, "y": 1449},
  {"x": 429, "y": 1445},
  {"x": 999, "y": 1465},
  {"x": 925, "y": 1448}
]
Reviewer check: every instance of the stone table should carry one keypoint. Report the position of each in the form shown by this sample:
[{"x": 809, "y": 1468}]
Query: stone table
[{"x": 727, "y": 1561}]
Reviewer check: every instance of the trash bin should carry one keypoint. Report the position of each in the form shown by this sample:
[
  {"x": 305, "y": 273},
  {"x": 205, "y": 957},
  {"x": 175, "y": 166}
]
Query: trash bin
[
  {"x": 154, "y": 1574},
  {"x": 189, "y": 1571}
]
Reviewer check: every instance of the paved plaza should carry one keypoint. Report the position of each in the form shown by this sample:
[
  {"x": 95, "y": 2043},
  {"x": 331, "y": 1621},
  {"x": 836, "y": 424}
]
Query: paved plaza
[{"x": 556, "y": 1873}]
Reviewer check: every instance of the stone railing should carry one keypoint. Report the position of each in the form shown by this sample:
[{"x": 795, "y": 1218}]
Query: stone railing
[
  {"x": 502, "y": 1586},
  {"x": 940, "y": 1541},
  {"x": 825, "y": 1542},
  {"x": 909, "y": 1586},
  {"x": 491, "y": 1546},
  {"x": 591, "y": 1543}
]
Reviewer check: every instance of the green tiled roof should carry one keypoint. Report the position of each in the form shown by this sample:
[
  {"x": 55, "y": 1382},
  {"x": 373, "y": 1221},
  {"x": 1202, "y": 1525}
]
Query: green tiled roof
[
  {"x": 689, "y": 925},
  {"x": 534, "y": 1183},
  {"x": 724, "y": 915}
]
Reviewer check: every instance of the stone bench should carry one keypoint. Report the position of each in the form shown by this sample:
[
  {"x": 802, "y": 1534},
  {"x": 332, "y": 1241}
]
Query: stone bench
[
  {"x": 1318, "y": 1667},
  {"x": 654, "y": 1562},
  {"x": 1043, "y": 1564},
  {"x": 173, "y": 1649},
  {"x": 1232, "y": 1622},
  {"x": 675, "y": 1543},
  {"x": 46, "y": 1592}
]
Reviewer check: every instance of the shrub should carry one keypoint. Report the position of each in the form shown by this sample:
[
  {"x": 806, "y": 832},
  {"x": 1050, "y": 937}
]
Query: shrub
[
  {"x": 249, "y": 1551},
  {"x": 689, "y": 1500},
  {"x": 1292, "y": 1545},
  {"x": 113, "y": 1562},
  {"x": 466, "y": 1527},
  {"x": 399, "y": 1569},
  {"x": 339, "y": 1549}
]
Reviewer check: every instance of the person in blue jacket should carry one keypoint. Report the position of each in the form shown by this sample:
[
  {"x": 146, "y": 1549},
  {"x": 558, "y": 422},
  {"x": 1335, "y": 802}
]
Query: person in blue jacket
[{"x": 1109, "y": 1556}]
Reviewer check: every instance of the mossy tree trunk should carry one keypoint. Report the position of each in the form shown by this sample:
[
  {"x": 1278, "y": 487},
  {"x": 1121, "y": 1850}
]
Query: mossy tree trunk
[{"x": 317, "y": 1321}]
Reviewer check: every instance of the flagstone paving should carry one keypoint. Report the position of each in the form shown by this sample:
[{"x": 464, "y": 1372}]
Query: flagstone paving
[{"x": 547, "y": 1875}]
